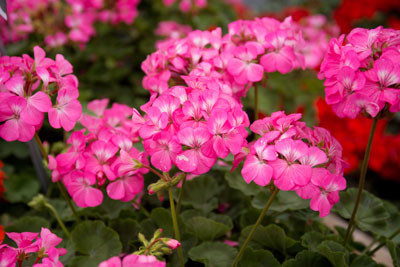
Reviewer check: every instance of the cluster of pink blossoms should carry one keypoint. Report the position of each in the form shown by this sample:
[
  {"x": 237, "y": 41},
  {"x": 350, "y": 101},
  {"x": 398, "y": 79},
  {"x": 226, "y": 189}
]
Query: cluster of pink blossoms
[
  {"x": 317, "y": 32},
  {"x": 362, "y": 72},
  {"x": 70, "y": 20},
  {"x": 191, "y": 126},
  {"x": 133, "y": 260},
  {"x": 100, "y": 156},
  {"x": 187, "y": 5},
  {"x": 26, "y": 88},
  {"x": 295, "y": 157},
  {"x": 238, "y": 59},
  {"x": 30, "y": 244},
  {"x": 171, "y": 30}
]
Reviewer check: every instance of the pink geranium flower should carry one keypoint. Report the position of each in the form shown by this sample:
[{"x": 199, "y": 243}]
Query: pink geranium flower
[{"x": 79, "y": 186}]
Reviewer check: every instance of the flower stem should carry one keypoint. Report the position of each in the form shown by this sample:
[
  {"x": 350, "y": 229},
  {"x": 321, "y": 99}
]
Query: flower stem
[
  {"x": 178, "y": 206},
  {"x": 41, "y": 148},
  {"x": 363, "y": 174},
  {"x": 255, "y": 102},
  {"x": 175, "y": 223},
  {"x": 253, "y": 230},
  {"x": 66, "y": 197},
  {"x": 372, "y": 252},
  {"x": 57, "y": 216}
]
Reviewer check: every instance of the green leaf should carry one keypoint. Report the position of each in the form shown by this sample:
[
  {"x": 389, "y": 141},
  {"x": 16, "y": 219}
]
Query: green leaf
[
  {"x": 21, "y": 187},
  {"x": 335, "y": 253},
  {"x": 284, "y": 201},
  {"x": 307, "y": 258},
  {"x": 394, "y": 252},
  {"x": 96, "y": 242},
  {"x": 256, "y": 258},
  {"x": 363, "y": 261},
  {"x": 311, "y": 240},
  {"x": 236, "y": 181},
  {"x": 371, "y": 213},
  {"x": 206, "y": 229},
  {"x": 393, "y": 222},
  {"x": 162, "y": 218},
  {"x": 271, "y": 237},
  {"x": 201, "y": 193},
  {"x": 213, "y": 254},
  {"x": 127, "y": 230},
  {"x": 28, "y": 224}
]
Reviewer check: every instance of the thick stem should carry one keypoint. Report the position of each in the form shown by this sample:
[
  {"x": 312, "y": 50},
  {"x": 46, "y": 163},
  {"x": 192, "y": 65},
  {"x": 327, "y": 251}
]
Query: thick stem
[
  {"x": 363, "y": 174},
  {"x": 175, "y": 223},
  {"x": 178, "y": 206},
  {"x": 255, "y": 102},
  {"x": 60, "y": 222},
  {"x": 66, "y": 197},
  {"x": 253, "y": 230},
  {"x": 155, "y": 172},
  {"x": 372, "y": 252}
]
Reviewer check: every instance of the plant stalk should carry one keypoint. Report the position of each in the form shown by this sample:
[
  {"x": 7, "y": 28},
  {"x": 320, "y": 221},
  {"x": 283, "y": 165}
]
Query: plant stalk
[
  {"x": 57, "y": 216},
  {"x": 178, "y": 206},
  {"x": 363, "y": 174},
  {"x": 175, "y": 224},
  {"x": 253, "y": 230},
  {"x": 372, "y": 252},
  {"x": 255, "y": 102}
]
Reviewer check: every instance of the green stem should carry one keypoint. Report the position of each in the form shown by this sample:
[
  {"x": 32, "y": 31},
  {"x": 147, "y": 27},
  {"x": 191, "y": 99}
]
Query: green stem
[
  {"x": 66, "y": 197},
  {"x": 175, "y": 223},
  {"x": 60, "y": 222},
  {"x": 41, "y": 148},
  {"x": 255, "y": 102},
  {"x": 371, "y": 253},
  {"x": 253, "y": 230},
  {"x": 178, "y": 206},
  {"x": 363, "y": 174}
]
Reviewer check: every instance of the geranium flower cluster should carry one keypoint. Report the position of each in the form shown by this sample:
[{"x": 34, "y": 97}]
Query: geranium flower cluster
[
  {"x": 191, "y": 126},
  {"x": 133, "y": 260},
  {"x": 42, "y": 246},
  {"x": 295, "y": 157},
  {"x": 27, "y": 87},
  {"x": 362, "y": 72},
  {"x": 187, "y": 5},
  {"x": 237, "y": 59},
  {"x": 100, "y": 155},
  {"x": 317, "y": 32},
  {"x": 71, "y": 20},
  {"x": 171, "y": 30}
]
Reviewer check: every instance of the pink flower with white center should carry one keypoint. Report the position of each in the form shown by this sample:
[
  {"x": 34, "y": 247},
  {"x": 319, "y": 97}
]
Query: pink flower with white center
[
  {"x": 280, "y": 56},
  {"x": 193, "y": 160},
  {"x": 314, "y": 157},
  {"x": 75, "y": 152},
  {"x": 67, "y": 111},
  {"x": 79, "y": 185},
  {"x": 14, "y": 126},
  {"x": 131, "y": 162},
  {"x": 242, "y": 67},
  {"x": 24, "y": 242},
  {"x": 156, "y": 121},
  {"x": 48, "y": 241},
  {"x": 52, "y": 260},
  {"x": 288, "y": 173},
  {"x": 327, "y": 190},
  {"x": 126, "y": 187},
  {"x": 162, "y": 149},
  {"x": 8, "y": 257},
  {"x": 99, "y": 163},
  {"x": 382, "y": 83},
  {"x": 348, "y": 82},
  {"x": 42, "y": 64},
  {"x": 363, "y": 40},
  {"x": 256, "y": 167}
]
